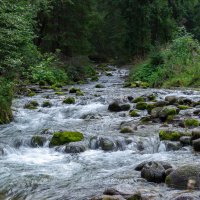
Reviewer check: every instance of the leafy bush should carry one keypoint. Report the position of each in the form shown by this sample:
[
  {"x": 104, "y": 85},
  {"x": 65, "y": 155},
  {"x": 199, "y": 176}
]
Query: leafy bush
[
  {"x": 177, "y": 65},
  {"x": 47, "y": 71}
]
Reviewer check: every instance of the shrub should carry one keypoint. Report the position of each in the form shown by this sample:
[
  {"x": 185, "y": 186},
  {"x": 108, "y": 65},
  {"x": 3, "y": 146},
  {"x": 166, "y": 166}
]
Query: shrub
[{"x": 176, "y": 65}]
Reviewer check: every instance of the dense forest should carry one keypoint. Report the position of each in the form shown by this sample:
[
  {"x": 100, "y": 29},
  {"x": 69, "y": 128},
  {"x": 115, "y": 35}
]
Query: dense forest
[{"x": 49, "y": 42}]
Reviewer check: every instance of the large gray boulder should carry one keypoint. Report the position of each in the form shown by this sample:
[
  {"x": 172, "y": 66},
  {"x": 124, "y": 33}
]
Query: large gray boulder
[
  {"x": 153, "y": 172},
  {"x": 184, "y": 177}
]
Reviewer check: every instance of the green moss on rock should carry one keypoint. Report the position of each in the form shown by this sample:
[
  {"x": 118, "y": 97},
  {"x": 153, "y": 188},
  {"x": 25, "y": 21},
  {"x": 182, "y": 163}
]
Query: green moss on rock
[
  {"x": 59, "y": 93},
  {"x": 74, "y": 90},
  {"x": 126, "y": 130},
  {"x": 69, "y": 100},
  {"x": 46, "y": 104},
  {"x": 171, "y": 135},
  {"x": 191, "y": 122},
  {"x": 99, "y": 86},
  {"x": 133, "y": 113},
  {"x": 183, "y": 107},
  {"x": 31, "y": 105},
  {"x": 138, "y": 99},
  {"x": 141, "y": 106},
  {"x": 60, "y": 138}
]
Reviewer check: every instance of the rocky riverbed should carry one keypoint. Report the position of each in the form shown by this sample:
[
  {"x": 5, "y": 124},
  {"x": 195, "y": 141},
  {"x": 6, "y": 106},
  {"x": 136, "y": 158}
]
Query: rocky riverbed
[{"x": 102, "y": 140}]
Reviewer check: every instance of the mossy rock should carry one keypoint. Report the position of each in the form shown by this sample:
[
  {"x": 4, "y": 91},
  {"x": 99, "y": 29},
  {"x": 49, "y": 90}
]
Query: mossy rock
[
  {"x": 31, "y": 94},
  {"x": 133, "y": 113},
  {"x": 74, "y": 90},
  {"x": 168, "y": 111},
  {"x": 69, "y": 100},
  {"x": 60, "y": 138},
  {"x": 126, "y": 130},
  {"x": 59, "y": 93},
  {"x": 31, "y": 105},
  {"x": 171, "y": 135},
  {"x": 150, "y": 107},
  {"x": 151, "y": 97},
  {"x": 79, "y": 93},
  {"x": 138, "y": 99},
  {"x": 145, "y": 119},
  {"x": 99, "y": 86},
  {"x": 141, "y": 106},
  {"x": 191, "y": 122},
  {"x": 94, "y": 78},
  {"x": 130, "y": 85},
  {"x": 170, "y": 118},
  {"x": 47, "y": 104},
  {"x": 183, "y": 107},
  {"x": 180, "y": 177},
  {"x": 144, "y": 85},
  {"x": 38, "y": 141},
  {"x": 109, "y": 74},
  {"x": 57, "y": 85}
]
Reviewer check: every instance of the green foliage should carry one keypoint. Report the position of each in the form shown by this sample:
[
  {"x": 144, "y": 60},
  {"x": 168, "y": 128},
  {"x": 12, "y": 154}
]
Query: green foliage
[
  {"x": 46, "y": 71},
  {"x": 16, "y": 37},
  {"x": 176, "y": 65},
  {"x": 6, "y": 94}
]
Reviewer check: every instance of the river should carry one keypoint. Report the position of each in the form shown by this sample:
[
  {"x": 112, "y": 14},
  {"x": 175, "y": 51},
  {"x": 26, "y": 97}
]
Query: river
[{"x": 28, "y": 173}]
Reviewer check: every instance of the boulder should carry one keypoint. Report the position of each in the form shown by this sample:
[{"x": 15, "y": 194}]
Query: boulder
[
  {"x": 171, "y": 135},
  {"x": 171, "y": 99},
  {"x": 75, "y": 148},
  {"x": 133, "y": 113},
  {"x": 115, "y": 107},
  {"x": 161, "y": 103},
  {"x": 69, "y": 100},
  {"x": 191, "y": 122},
  {"x": 167, "y": 111},
  {"x": 172, "y": 146},
  {"x": 125, "y": 107},
  {"x": 196, "y": 112},
  {"x": 184, "y": 101},
  {"x": 107, "y": 144},
  {"x": 138, "y": 99},
  {"x": 38, "y": 141},
  {"x": 155, "y": 112},
  {"x": 32, "y": 105},
  {"x": 196, "y": 144},
  {"x": 186, "y": 197},
  {"x": 185, "y": 140},
  {"x": 153, "y": 172},
  {"x": 166, "y": 165},
  {"x": 47, "y": 104},
  {"x": 184, "y": 177},
  {"x": 126, "y": 129},
  {"x": 64, "y": 137},
  {"x": 141, "y": 106},
  {"x": 195, "y": 134}
]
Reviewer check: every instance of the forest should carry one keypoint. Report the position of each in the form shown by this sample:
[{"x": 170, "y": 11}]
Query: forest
[{"x": 46, "y": 35}]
